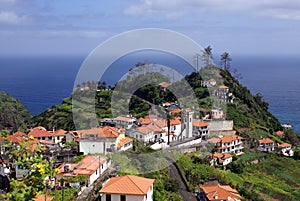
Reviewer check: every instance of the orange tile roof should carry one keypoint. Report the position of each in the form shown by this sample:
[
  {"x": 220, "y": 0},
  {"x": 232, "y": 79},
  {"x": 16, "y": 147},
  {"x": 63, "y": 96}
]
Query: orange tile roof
[
  {"x": 162, "y": 123},
  {"x": 155, "y": 128},
  {"x": 128, "y": 185},
  {"x": 164, "y": 84},
  {"x": 15, "y": 139},
  {"x": 40, "y": 197},
  {"x": 144, "y": 121},
  {"x": 122, "y": 118},
  {"x": 266, "y": 141},
  {"x": 39, "y": 132},
  {"x": 230, "y": 138},
  {"x": 284, "y": 145},
  {"x": 279, "y": 132},
  {"x": 221, "y": 156},
  {"x": 60, "y": 132},
  {"x": 175, "y": 111},
  {"x": 199, "y": 123},
  {"x": 222, "y": 192},
  {"x": 87, "y": 166},
  {"x": 123, "y": 141},
  {"x": 46, "y": 142},
  {"x": 144, "y": 130},
  {"x": 103, "y": 132},
  {"x": 223, "y": 87},
  {"x": 19, "y": 134}
]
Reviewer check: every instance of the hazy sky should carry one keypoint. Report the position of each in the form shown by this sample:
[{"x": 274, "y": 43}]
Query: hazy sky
[{"x": 78, "y": 26}]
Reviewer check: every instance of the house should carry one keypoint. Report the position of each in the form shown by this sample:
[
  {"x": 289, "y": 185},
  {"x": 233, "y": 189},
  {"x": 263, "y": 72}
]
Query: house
[
  {"x": 266, "y": 145},
  {"x": 124, "y": 144},
  {"x": 102, "y": 140},
  {"x": 127, "y": 188},
  {"x": 219, "y": 193},
  {"x": 224, "y": 95},
  {"x": 280, "y": 134},
  {"x": 218, "y": 114},
  {"x": 124, "y": 121},
  {"x": 163, "y": 86},
  {"x": 229, "y": 144},
  {"x": 143, "y": 134},
  {"x": 40, "y": 133},
  {"x": 208, "y": 83},
  {"x": 286, "y": 149},
  {"x": 144, "y": 121},
  {"x": 59, "y": 136},
  {"x": 91, "y": 166},
  {"x": 42, "y": 197},
  {"x": 200, "y": 129},
  {"x": 220, "y": 159}
]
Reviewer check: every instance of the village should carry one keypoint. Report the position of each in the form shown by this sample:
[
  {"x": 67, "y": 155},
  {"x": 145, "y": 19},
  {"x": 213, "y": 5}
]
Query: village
[{"x": 183, "y": 130}]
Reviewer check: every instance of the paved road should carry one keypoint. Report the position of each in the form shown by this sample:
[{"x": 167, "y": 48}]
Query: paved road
[{"x": 185, "y": 194}]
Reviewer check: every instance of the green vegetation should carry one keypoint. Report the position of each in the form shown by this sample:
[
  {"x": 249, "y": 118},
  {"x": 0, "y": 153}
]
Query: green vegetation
[
  {"x": 270, "y": 178},
  {"x": 13, "y": 113}
]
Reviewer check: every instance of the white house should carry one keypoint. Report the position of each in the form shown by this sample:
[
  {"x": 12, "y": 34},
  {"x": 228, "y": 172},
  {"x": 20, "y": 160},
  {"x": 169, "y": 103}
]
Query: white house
[
  {"x": 220, "y": 159},
  {"x": 142, "y": 134},
  {"x": 91, "y": 166},
  {"x": 266, "y": 145},
  {"x": 124, "y": 121},
  {"x": 103, "y": 140},
  {"x": 200, "y": 129},
  {"x": 286, "y": 149},
  {"x": 127, "y": 188},
  {"x": 59, "y": 135},
  {"x": 229, "y": 144}
]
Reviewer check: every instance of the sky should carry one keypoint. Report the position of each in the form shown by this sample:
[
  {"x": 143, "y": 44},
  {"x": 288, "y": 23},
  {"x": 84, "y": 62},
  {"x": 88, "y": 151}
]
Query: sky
[{"x": 56, "y": 27}]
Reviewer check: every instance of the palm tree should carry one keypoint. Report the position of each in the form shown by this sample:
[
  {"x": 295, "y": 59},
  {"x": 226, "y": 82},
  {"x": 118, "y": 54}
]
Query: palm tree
[
  {"x": 207, "y": 55},
  {"x": 225, "y": 61}
]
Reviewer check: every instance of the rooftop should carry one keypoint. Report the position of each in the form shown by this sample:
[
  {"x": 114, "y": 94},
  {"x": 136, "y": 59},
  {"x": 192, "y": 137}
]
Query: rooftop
[
  {"x": 129, "y": 185},
  {"x": 266, "y": 141},
  {"x": 218, "y": 192}
]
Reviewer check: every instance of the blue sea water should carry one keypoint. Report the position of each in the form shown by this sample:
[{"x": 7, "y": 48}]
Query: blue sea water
[{"x": 41, "y": 82}]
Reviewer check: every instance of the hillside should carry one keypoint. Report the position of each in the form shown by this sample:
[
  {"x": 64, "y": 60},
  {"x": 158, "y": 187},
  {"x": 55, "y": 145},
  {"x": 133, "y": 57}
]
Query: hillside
[{"x": 13, "y": 113}]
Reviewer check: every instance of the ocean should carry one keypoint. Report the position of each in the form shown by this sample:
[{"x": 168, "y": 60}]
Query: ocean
[{"x": 41, "y": 82}]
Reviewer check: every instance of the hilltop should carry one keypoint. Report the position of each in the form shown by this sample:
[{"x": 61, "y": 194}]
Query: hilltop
[{"x": 13, "y": 114}]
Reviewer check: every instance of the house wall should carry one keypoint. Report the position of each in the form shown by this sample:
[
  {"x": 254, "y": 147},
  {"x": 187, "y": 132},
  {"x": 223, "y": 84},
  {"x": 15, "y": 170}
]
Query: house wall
[
  {"x": 93, "y": 147},
  {"x": 58, "y": 139},
  {"x": 116, "y": 197},
  {"x": 99, "y": 172},
  {"x": 220, "y": 125}
]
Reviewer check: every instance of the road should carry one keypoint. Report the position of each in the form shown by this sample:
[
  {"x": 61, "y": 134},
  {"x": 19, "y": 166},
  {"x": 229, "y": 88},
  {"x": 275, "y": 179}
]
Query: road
[{"x": 185, "y": 194}]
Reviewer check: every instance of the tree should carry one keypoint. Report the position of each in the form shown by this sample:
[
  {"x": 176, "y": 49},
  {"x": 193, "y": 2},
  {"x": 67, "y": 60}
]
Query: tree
[
  {"x": 225, "y": 61},
  {"x": 39, "y": 170},
  {"x": 207, "y": 56}
]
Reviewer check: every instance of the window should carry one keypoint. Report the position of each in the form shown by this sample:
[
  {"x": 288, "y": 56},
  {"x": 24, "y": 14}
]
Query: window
[
  {"x": 141, "y": 136},
  {"x": 108, "y": 197},
  {"x": 57, "y": 138},
  {"x": 122, "y": 197}
]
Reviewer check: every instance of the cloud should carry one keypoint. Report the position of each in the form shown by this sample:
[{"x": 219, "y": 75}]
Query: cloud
[
  {"x": 176, "y": 8},
  {"x": 8, "y": 17}
]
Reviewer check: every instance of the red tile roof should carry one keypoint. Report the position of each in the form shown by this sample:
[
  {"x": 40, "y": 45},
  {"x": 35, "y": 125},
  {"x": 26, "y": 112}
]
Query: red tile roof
[
  {"x": 199, "y": 123},
  {"x": 223, "y": 87},
  {"x": 284, "y": 145},
  {"x": 128, "y": 185},
  {"x": 103, "y": 132},
  {"x": 39, "y": 132},
  {"x": 218, "y": 192},
  {"x": 122, "y": 118},
  {"x": 279, "y": 132},
  {"x": 60, "y": 132},
  {"x": 145, "y": 120},
  {"x": 124, "y": 141},
  {"x": 230, "y": 138},
  {"x": 266, "y": 141},
  {"x": 19, "y": 134},
  {"x": 40, "y": 197},
  {"x": 87, "y": 166}
]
